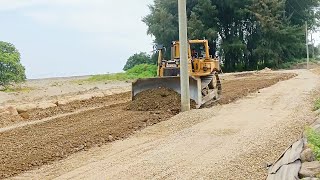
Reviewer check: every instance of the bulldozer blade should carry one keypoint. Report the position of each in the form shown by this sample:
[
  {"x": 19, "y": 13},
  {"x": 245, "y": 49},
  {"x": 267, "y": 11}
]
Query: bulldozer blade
[{"x": 173, "y": 83}]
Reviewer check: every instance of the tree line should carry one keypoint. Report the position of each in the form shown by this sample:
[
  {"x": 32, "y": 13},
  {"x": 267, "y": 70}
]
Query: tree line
[{"x": 247, "y": 34}]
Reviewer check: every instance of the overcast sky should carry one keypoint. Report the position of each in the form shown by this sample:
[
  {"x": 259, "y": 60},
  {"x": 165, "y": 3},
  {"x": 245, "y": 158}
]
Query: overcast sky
[{"x": 74, "y": 37}]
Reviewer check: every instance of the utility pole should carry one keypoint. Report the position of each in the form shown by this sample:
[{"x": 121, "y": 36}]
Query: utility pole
[
  {"x": 312, "y": 41},
  {"x": 184, "y": 70},
  {"x": 307, "y": 44}
]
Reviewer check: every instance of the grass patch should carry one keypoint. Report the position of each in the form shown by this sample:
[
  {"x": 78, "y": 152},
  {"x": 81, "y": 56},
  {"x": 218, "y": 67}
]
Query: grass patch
[
  {"x": 317, "y": 104},
  {"x": 16, "y": 89},
  {"x": 56, "y": 84},
  {"x": 296, "y": 63},
  {"x": 110, "y": 77},
  {"x": 139, "y": 71},
  {"x": 314, "y": 141}
]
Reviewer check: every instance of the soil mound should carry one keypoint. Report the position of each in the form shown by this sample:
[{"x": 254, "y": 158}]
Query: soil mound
[
  {"x": 244, "y": 75},
  {"x": 161, "y": 99}
]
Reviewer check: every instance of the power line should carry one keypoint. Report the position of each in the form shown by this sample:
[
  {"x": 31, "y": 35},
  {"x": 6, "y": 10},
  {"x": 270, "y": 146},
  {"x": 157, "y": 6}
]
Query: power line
[
  {"x": 302, "y": 17},
  {"x": 307, "y": 45},
  {"x": 299, "y": 4},
  {"x": 295, "y": 11}
]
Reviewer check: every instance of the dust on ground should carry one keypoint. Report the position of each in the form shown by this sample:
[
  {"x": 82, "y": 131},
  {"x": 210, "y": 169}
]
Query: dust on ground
[{"x": 32, "y": 146}]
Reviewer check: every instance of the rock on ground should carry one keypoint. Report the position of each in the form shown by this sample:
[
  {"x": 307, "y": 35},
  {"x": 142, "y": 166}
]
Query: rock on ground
[
  {"x": 307, "y": 156},
  {"x": 310, "y": 169}
]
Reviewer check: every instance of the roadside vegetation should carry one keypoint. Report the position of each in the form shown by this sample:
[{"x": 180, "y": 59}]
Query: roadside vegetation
[
  {"x": 317, "y": 105},
  {"x": 138, "y": 71},
  {"x": 11, "y": 70},
  {"x": 10, "y": 89},
  {"x": 137, "y": 59},
  {"x": 314, "y": 141},
  {"x": 297, "y": 63},
  {"x": 313, "y": 136}
]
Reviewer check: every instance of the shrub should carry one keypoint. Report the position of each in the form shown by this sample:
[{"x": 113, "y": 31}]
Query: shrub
[
  {"x": 137, "y": 59},
  {"x": 314, "y": 141},
  {"x": 143, "y": 71},
  {"x": 139, "y": 71},
  {"x": 317, "y": 105},
  {"x": 11, "y": 70}
]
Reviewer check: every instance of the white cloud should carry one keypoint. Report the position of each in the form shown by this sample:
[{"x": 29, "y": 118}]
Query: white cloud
[
  {"x": 117, "y": 22},
  {"x": 95, "y": 16},
  {"x": 12, "y": 4},
  {"x": 113, "y": 28},
  {"x": 9, "y": 5},
  {"x": 108, "y": 16}
]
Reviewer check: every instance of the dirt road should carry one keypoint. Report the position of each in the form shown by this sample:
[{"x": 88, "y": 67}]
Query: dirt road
[
  {"x": 231, "y": 141},
  {"x": 81, "y": 125}
]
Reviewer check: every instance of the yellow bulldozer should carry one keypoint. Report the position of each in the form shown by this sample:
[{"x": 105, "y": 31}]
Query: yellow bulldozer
[{"x": 205, "y": 85}]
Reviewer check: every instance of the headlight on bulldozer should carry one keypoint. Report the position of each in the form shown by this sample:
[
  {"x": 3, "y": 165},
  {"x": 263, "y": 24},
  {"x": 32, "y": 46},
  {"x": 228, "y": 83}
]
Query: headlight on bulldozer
[{"x": 207, "y": 67}]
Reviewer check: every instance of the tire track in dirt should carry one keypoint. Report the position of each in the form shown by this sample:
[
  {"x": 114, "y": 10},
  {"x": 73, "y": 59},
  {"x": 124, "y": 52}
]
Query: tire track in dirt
[
  {"x": 31, "y": 116},
  {"x": 39, "y": 144}
]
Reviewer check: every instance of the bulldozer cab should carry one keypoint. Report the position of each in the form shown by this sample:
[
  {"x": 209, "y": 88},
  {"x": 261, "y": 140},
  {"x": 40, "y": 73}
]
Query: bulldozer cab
[
  {"x": 200, "y": 61},
  {"x": 197, "y": 49}
]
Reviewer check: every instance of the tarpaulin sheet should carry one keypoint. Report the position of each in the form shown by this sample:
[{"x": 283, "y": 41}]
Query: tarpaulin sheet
[{"x": 289, "y": 164}]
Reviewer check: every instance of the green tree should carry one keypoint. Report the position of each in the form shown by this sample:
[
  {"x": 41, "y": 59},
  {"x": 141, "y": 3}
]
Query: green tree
[
  {"x": 248, "y": 33},
  {"x": 281, "y": 40},
  {"x": 163, "y": 22},
  {"x": 202, "y": 23},
  {"x": 136, "y": 59},
  {"x": 11, "y": 69}
]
